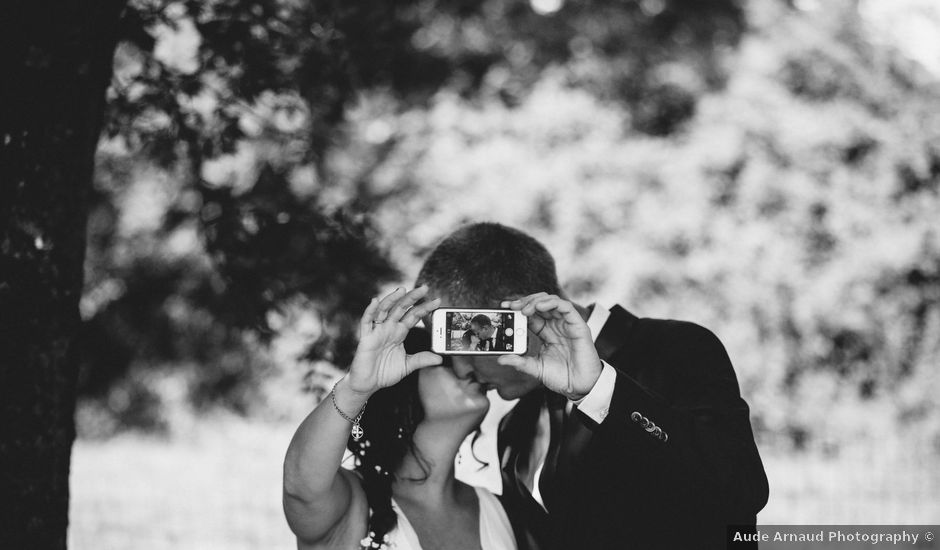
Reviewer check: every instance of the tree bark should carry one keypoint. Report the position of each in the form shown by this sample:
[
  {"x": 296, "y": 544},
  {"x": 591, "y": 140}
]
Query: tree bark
[{"x": 52, "y": 98}]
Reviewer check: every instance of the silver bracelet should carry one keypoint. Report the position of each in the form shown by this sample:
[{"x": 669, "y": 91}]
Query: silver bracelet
[{"x": 356, "y": 430}]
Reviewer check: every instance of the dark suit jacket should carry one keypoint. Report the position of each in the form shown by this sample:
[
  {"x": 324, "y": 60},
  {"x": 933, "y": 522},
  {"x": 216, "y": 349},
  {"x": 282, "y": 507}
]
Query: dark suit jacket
[{"x": 632, "y": 486}]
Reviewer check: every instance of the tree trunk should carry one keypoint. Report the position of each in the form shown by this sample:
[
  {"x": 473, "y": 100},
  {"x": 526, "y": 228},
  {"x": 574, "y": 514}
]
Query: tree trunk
[{"x": 52, "y": 98}]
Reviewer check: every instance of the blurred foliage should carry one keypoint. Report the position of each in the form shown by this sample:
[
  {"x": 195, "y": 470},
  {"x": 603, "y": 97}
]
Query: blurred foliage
[
  {"x": 795, "y": 215},
  {"x": 770, "y": 173},
  {"x": 230, "y": 191}
]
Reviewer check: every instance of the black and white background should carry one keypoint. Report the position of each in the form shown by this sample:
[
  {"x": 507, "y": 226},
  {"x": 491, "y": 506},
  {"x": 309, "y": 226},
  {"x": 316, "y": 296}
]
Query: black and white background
[{"x": 199, "y": 197}]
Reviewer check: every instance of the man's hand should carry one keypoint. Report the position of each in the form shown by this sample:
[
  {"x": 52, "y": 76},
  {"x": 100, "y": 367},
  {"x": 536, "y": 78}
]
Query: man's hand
[{"x": 567, "y": 362}]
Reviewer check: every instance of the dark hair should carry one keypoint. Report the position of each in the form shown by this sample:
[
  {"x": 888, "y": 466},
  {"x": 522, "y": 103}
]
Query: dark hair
[
  {"x": 484, "y": 263},
  {"x": 466, "y": 339},
  {"x": 481, "y": 320},
  {"x": 388, "y": 425}
]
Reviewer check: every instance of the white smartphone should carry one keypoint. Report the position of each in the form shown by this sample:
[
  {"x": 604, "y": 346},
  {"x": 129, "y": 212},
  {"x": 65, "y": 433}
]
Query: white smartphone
[{"x": 467, "y": 331}]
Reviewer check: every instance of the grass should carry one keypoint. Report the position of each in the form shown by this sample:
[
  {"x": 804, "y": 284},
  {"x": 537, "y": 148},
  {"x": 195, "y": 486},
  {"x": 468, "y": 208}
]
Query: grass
[{"x": 219, "y": 488}]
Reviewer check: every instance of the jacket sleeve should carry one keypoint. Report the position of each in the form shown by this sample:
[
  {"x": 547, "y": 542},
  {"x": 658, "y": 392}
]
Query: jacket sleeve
[{"x": 703, "y": 451}]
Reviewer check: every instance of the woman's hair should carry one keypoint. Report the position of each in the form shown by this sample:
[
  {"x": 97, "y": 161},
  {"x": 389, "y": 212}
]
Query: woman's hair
[
  {"x": 389, "y": 424},
  {"x": 466, "y": 339}
]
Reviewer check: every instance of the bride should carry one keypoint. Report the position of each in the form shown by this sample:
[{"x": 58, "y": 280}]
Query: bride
[{"x": 403, "y": 418}]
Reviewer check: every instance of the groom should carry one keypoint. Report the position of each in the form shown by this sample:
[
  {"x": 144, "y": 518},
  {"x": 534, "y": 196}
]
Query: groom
[
  {"x": 629, "y": 432},
  {"x": 491, "y": 337}
]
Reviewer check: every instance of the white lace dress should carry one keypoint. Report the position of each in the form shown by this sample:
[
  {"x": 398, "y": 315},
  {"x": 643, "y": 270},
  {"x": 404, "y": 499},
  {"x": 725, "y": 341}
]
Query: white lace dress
[{"x": 495, "y": 530}]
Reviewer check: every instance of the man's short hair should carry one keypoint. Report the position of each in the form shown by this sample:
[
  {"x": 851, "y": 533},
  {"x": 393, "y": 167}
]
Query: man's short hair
[
  {"x": 481, "y": 320},
  {"x": 484, "y": 263}
]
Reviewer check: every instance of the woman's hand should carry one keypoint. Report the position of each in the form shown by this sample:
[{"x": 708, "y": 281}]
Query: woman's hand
[
  {"x": 318, "y": 493},
  {"x": 380, "y": 359}
]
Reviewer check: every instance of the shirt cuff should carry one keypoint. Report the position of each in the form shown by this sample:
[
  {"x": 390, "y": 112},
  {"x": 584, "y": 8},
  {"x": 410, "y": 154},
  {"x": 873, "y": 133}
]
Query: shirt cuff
[{"x": 596, "y": 404}]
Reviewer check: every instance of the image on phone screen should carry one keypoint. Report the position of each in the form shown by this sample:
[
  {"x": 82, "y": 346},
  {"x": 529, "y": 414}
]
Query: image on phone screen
[{"x": 474, "y": 331}]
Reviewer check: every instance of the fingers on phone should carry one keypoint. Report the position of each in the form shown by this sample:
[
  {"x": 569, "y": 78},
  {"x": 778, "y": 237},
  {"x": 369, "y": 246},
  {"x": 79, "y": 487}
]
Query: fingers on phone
[
  {"x": 414, "y": 314},
  {"x": 520, "y": 304},
  {"x": 532, "y": 298},
  {"x": 542, "y": 304},
  {"x": 554, "y": 306},
  {"x": 535, "y": 324},
  {"x": 386, "y": 303},
  {"x": 406, "y": 302},
  {"x": 550, "y": 306}
]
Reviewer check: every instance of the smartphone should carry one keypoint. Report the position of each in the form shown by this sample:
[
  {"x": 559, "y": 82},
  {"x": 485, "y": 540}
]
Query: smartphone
[{"x": 467, "y": 331}]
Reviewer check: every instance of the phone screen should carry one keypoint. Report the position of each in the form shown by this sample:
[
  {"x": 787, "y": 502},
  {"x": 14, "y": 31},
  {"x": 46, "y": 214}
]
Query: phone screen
[{"x": 476, "y": 331}]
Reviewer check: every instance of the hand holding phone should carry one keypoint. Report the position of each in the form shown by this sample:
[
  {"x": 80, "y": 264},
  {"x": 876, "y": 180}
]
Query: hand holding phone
[
  {"x": 380, "y": 359},
  {"x": 471, "y": 331},
  {"x": 567, "y": 362}
]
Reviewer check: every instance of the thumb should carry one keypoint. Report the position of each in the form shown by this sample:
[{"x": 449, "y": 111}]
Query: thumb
[
  {"x": 522, "y": 363},
  {"x": 423, "y": 359}
]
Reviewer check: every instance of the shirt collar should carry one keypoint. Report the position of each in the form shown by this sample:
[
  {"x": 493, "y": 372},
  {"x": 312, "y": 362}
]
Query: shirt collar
[{"x": 596, "y": 320}]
